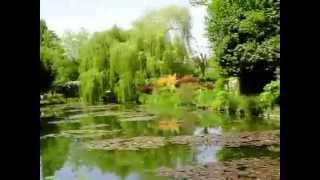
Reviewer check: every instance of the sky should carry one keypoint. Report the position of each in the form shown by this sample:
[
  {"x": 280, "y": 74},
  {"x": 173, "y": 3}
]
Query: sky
[{"x": 99, "y": 15}]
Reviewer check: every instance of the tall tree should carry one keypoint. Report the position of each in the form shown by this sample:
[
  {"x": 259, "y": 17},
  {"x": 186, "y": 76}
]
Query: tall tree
[
  {"x": 245, "y": 37},
  {"x": 72, "y": 42},
  {"x": 50, "y": 52},
  {"x": 120, "y": 61}
]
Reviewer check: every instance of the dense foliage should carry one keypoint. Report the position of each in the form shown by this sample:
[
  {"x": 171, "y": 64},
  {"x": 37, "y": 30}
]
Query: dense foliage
[
  {"x": 59, "y": 57},
  {"x": 245, "y": 35},
  {"x": 271, "y": 94},
  {"x": 152, "y": 63},
  {"x": 72, "y": 42},
  {"x": 121, "y": 61},
  {"x": 50, "y": 51}
]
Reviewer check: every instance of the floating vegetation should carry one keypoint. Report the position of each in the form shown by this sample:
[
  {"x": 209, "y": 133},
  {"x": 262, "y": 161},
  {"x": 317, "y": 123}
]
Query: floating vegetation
[
  {"x": 228, "y": 140},
  {"x": 122, "y": 115},
  {"x": 246, "y": 168},
  {"x": 82, "y": 133},
  {"x": 70, "y": 109},
  {"x": 135, "y": 143},
  {"x": 85, "y": 131},
  {"x": 252, "y": 138},
  {"x": 64, "y": 122},
  {"x": 181, "y": 139},
  {"x": 227, "y": 154},
  {"x": 137, "y": 118},
  {"x": 95, "y": 126}
]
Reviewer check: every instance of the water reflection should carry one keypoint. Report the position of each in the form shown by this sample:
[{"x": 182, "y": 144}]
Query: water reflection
[
  {"x": 205, "y": 130},
  {"x": 226, "y": 154},
  {"x": 66, "y": 159},
  {"x": 170, "y": 125},
  {"x": 41, "y": 174},
  {"x": 207, "y": 153},
  {"x": 88, "y": 173},
  {"x": 187, "y": 123},
  {"x": 54, "y": 153},
  {"x": 113, "y": 164},
  {"x": 130, "y": 165}
]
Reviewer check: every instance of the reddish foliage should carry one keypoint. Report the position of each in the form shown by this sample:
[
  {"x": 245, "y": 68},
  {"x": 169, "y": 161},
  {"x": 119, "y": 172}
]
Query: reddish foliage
[
  {"x": 148, "y": 88},
  {"x": 186, "y": 79},
  {"x": 210, "y": 85}
]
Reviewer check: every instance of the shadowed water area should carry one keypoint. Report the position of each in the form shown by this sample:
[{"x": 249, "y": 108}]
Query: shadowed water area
[{"x": 128, "y": 142}]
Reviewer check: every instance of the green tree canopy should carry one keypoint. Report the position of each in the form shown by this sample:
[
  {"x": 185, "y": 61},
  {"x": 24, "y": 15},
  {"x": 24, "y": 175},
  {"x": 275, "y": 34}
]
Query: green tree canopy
[
  {"x": 245, "y": 35},
  {"x": 59, "y": 57},
  {"x": 120, "y": 61},
  {"x": 50, "y": 53}
]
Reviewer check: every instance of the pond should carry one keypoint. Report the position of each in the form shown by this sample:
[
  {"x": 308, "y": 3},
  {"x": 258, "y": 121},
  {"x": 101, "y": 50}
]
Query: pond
[{"x": 116, "y": 142}]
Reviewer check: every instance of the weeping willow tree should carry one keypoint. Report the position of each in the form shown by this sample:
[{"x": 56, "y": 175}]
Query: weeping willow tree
[
  {"x": 120, "y": 61},
  {"x": 126, "y": 71},
  {"x": 95, "y": 64}
]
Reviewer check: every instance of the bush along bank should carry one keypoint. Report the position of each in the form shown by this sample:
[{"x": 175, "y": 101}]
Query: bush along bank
[{"x": 222, "y": 97}]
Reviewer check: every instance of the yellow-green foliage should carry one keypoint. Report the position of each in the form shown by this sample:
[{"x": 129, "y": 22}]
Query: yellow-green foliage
[
  {"x": 124, "y": 65},
  {"x": 187, "y": 93},
  {"x": 121, "y": 61},
  {"x": 163, "y": 101},
  {"x": 271, "y": 94},
  {"x": 51, "y": 98},
  {"x": 230, "y": 102},
  {"x": 233, "y": 103},
  {"x": 92, "y": 86},
  {"x": 220, "y": 102}
]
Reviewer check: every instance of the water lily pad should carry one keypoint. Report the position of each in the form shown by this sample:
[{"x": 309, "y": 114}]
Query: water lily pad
[
  {"x": 64, "y": 122},
  {"x": 229, "y": 140},
  {"x": 136, "y": 143},
  {"x": 82, "y": 133},
  {"x": 251, "y": 168},
  {"x": 137, "y": 118},
  {"x": 95, "y": 126}
]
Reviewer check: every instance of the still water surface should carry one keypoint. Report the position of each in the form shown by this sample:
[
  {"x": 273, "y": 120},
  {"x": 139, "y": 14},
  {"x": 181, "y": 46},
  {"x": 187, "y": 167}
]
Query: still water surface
[{"x": 65, "y": 158}]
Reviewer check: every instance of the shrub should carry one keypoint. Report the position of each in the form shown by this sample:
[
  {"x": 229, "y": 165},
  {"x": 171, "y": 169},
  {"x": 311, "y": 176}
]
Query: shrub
[
  {"x": 253, "y": 106},
  {"x": 68, "y": 89},
  {"x": 220, "y": 84},
  {"x": 147, "y": 88},
  {"x": 52, "y": 98},
  {"x": 270, "y": 95},
  {"x": 234, "y": 103},
  {"x": 167, "y": 81},
  {"x": 220, "y": 101},
  {"x": 230, "y": 103},
  {"x": 244, "y": 105},
  {"x": 186, "y": 80},
  {"x": 187, "y": 94},
  {"x": 204, "y": 97},
  {"x": 162, "y": 100}
]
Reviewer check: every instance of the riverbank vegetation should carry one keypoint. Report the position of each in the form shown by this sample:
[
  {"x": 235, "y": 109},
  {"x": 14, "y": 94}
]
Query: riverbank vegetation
[
  {"x": 154, "y": 63},
  {"x": 146, "y": 101}
]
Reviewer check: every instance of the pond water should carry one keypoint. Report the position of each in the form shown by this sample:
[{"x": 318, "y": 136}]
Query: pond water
[{"x": 64, "y": 128}]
